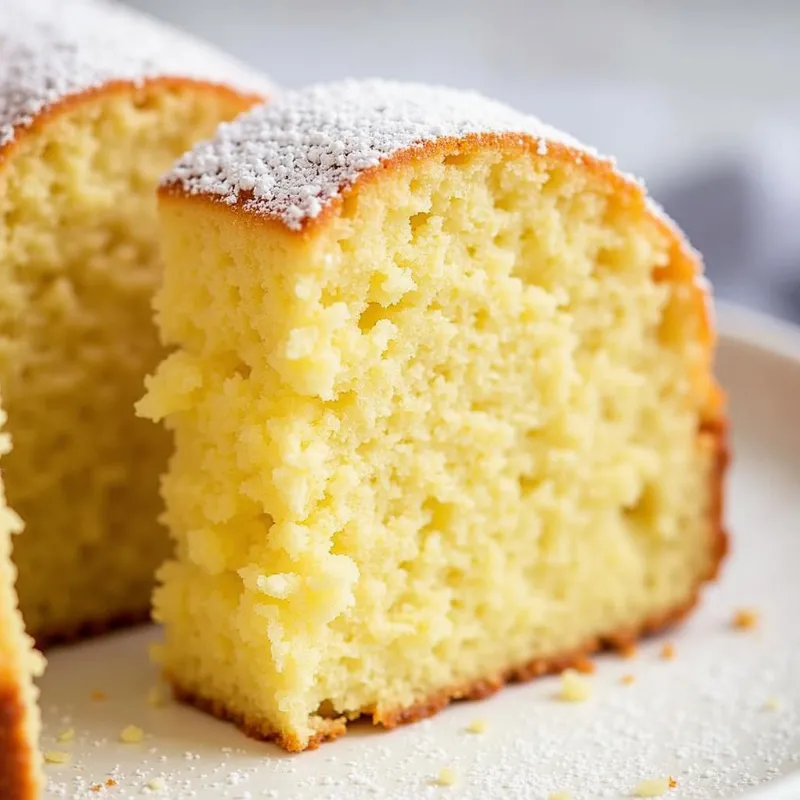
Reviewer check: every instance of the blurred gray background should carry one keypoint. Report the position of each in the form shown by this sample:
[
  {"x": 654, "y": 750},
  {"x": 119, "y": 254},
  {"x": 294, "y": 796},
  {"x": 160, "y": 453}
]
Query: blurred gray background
[{"x": 699, "y": 97}]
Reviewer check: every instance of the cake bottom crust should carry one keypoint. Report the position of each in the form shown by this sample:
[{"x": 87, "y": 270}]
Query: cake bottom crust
[
  {"x": 474, "y": 690},
  {"x": 481, "y": 688}
]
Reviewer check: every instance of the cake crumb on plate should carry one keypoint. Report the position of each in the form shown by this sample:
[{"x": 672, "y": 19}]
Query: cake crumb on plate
[
  {"x": 56, "y": 757},
  {"x": 67, "y": 735},
  {"x": 745, "y": 619},
  {"x": 131, "y": 734},
  {"x": 654, "y": 787},
  {"x": 446, "y": 777},
  {"x": 574, "y": 688}
]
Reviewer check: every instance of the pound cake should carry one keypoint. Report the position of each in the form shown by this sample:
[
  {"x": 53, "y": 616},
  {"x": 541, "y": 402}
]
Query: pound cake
[
  {"x": 96, "y": 102},
  {"x": 443, "y": 406},
  {"x": 19, "y": 663}
]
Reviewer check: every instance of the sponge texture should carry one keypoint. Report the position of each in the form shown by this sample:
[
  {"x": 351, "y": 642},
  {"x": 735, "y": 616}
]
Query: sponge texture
[{"x": 461, "y": 428}]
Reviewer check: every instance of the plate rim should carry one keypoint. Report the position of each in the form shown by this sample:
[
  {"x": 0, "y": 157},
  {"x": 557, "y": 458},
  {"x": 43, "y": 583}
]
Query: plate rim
[{"x": 779, "y": 337}]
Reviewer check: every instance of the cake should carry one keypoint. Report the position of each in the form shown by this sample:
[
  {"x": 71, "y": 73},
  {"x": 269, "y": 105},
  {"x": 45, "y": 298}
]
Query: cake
[
  {"x": 19, "y": 663},
  {"x": 95, "y": 103},
  {"x": 444, "y": 409}
]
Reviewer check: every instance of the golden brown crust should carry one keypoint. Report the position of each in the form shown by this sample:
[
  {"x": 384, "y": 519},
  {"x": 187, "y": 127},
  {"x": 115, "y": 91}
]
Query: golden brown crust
[
  {"x": 684, "y": 265},
  {"x": 238, "y": 101},
  {"x": 481, "y": 688},
  {"x": 18, "y": 759}
]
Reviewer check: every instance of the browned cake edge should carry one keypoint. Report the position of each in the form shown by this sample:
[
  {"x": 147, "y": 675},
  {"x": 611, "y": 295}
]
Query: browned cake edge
[
  {"x": 484, "y": 687},
  {"x": 18, "y": 756},
  {"x": 18, "y": 759}
]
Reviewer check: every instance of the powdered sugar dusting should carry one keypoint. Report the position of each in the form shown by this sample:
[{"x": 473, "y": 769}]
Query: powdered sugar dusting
[
  {"x": 51, "y": 49},
  {"x": 291, "y": 158}
]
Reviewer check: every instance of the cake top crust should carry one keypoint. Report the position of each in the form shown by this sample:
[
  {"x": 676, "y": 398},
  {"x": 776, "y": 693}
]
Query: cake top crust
[
  {"x": 53, "y": 49},
  {"x": 291, "y": 158}
]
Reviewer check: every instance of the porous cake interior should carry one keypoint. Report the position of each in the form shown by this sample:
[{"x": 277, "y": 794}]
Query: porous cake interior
[
  {"x": 78, "y": 265},
  {"x": 449, "y": 429}
]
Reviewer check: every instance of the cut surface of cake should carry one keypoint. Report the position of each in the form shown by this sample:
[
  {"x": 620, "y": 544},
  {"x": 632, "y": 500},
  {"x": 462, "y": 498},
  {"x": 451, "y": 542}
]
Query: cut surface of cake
[
  {"x": 443, "y": 405},
  {"x": 96, "y": 102}
]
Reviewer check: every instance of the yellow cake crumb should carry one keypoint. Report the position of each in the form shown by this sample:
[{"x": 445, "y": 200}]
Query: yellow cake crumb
[
  {"x": 771, "y": 704},
  {"x": 95, "y": 787},
  {"x": 559, "y": 796},
  {"x": 66, "y": 736},
  {"x": 132, "y": 734},
  {"x": 98, "y": 696},
  {"x": 477, "y": 726},
  {"x": 628, "y": 679},
  {"x": 156, "y": 784},
  {"x": 157, "y": 697},
  {"x": 56, "y": 757},
  {"x": 668, "y": 651},
  {"x": 745, "y": 619},
  {"x": 574, "y": 688},
  {"x": 446, "y": 777},
  {"x": 653, "y": 787}
]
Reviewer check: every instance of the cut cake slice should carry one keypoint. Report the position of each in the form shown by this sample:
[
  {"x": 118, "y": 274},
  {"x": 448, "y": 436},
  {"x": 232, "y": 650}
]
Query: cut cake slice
[{"x": 443, "y": 404}]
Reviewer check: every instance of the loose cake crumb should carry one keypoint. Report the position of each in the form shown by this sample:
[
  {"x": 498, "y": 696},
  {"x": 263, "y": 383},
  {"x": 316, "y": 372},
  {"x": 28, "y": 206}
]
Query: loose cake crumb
[
  {"x": 653, "y": 787},
  {"x": 771, "y": 704},
  {"x": 585, "y": 665},
  {"x": 56, "y": 757},
  {"x": 745, "y": 619},
  {"x": 446, "y": 777},
  {"x": 111, "y": 782},
  {"x": 95, "y": 787},
  {"x": 66, "y": 736},
  {"x": 132, "y": 734},
  {"x": 558, "y": 796},
  {"x": 98, "y": 696},
  {"x": 156, "y": 697},
  {"x": 574, "y": 689},
  {"x": 673, "y": 783},
  {"x": 628, "y": 679},
  {"x": 156, "y": 784},
  {"x": 477, "y": 726},
  {"x": 668, "y": 651}
]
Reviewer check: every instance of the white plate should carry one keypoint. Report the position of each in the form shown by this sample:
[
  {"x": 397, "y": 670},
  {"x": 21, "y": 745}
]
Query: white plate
[{"x": 701, "y": 717}]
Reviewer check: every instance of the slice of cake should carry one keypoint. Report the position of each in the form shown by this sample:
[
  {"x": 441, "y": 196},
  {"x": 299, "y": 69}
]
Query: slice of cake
[
  {"x": 443, "y": 407},
  {"x": 95, "y": 103},
  {"x": 19, "y": 663}
]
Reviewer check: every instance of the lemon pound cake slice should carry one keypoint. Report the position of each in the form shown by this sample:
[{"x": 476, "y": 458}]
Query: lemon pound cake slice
[
  {"x": 443, "y": 407},
  {"x": 95, "y": 103},
  {"x": 19, "y": 664}
]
